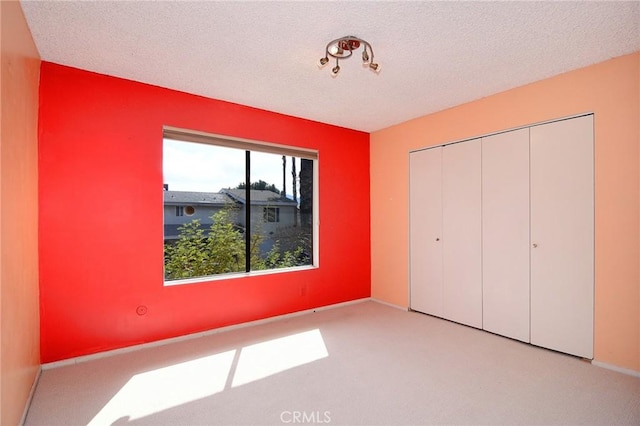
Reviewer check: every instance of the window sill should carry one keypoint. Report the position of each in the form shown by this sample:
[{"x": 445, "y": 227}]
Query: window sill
[{"x": 235, "y": 275}]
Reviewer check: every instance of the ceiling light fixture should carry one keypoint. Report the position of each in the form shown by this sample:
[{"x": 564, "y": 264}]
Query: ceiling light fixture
[{"x": 342, "y": 48}]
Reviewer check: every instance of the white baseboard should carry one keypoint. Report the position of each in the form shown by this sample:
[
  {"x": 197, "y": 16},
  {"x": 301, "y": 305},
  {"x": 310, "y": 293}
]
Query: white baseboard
[
  {"x": 85, "y": 358},
  {"x": 23, "y": 419},
  {"x": 622, "y": 370},
  {"x": 382, "y": 302}
]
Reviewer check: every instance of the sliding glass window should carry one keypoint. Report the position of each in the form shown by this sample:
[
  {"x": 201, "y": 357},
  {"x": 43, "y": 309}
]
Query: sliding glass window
[{"x": 235, "y": 206}]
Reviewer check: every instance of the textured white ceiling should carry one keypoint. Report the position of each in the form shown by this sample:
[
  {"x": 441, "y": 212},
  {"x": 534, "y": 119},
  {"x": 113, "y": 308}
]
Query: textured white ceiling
[{"x": 433, "y": 55}]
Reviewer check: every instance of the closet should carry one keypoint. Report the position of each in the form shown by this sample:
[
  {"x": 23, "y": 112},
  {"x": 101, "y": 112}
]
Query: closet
[{"x": 501, "y": 234}]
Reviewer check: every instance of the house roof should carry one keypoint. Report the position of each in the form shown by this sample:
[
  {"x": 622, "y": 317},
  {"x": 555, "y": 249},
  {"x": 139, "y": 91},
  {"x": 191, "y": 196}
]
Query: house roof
[
  {"x": 196, "y": 198},
  {"x": 259, "y": 197}
]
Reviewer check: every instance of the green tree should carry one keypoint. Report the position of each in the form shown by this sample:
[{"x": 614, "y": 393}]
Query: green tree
[
  {"x": 259, "y": 185},
  {"x": 188, "y": 257},
  {"x": 224, "y": 245},
  {"x": 277, "y": 259},
  {"x": 196, "y": 254}
]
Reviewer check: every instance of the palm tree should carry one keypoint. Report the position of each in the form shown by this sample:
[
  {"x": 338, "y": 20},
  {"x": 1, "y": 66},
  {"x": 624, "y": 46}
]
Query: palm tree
[
  {"x": 284, "y": 177},
  {"x": 295, "y": 189}
]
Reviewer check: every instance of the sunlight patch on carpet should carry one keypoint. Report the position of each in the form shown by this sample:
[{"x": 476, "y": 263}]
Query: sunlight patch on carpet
[
  {"x": 178, "y": 384},
  {"x": 153, "y": 391},
  {"x": 274, "y": 356}
]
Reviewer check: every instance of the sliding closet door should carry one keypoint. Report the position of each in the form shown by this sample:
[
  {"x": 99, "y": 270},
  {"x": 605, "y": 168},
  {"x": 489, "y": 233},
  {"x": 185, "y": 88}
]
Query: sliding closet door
[
  {"x": 505, "y": 234},
  {"x": 425, "y": 193},
  {"x": 562, "y": 236},
  {"x": 462, "y": 232}
]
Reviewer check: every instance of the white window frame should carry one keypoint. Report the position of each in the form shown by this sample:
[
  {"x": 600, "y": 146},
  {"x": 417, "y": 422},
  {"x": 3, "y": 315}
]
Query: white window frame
[{"x": 187, "y": 135}]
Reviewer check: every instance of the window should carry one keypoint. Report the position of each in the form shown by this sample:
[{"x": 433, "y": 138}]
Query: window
[
  {"x": 271, "y": 214},
  {"x": 184, "y": 210},
  {"x": 240, "y": 206}
]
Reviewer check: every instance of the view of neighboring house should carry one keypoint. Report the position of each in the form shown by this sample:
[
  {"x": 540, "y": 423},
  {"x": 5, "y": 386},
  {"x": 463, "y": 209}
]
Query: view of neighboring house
[
  {"x": 271, "y": 214},
  {"x": 182, "y": 207},
  {"x": 268, "y": 208}
]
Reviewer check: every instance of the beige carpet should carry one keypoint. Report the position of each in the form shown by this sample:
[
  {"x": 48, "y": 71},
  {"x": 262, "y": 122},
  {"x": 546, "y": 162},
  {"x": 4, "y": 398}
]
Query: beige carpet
[{"x": 362, "y": 364}]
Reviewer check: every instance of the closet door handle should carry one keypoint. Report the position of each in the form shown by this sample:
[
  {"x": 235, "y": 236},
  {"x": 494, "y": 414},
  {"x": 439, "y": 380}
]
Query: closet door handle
[
  {"x": 437, "y": 239},
  {"x": 535, "y": 245}
]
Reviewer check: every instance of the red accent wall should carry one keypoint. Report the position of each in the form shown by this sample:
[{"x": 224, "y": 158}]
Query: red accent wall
[{"x": 101, "y": 218}]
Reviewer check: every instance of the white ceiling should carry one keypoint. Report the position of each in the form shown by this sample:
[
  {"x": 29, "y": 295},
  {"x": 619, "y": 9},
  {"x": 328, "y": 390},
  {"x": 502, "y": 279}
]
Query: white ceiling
[{"x": 434, "y": 55}]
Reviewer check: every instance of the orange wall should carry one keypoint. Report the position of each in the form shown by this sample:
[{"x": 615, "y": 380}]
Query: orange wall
[
  {"x": 20, "y": 333},
  {"x": 610, "y": 90}
]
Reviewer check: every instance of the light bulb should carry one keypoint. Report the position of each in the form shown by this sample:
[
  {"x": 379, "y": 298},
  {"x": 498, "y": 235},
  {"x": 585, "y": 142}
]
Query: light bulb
[
  {"x": 336, "y": 50},
  {"x": 335, "y": 71},
  {"x": 365, "y": 56},
  {"x": 374, "y": 67},
  {"x": 322, "y": 62}
]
